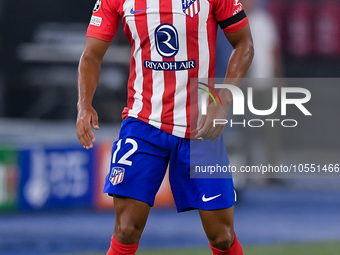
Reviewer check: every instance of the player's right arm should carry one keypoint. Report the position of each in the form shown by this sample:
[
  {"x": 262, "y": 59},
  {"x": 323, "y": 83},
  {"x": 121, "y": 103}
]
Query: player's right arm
[{"x": 88, "y": 76}]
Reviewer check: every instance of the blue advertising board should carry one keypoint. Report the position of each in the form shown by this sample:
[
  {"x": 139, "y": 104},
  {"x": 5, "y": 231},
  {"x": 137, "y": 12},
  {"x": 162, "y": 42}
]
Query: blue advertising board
[{"x": 56, "y": 177}]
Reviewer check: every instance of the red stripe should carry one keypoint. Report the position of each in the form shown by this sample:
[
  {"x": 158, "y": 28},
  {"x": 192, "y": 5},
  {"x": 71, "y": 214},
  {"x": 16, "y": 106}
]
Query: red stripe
[
  {"x": 167, "y": 117},
  {"x": 212, "y": 34},
  {"x": 142, "y": 30},
  {"x": 120, "y": 177},
  {"x": 193, "y": 53},
  {"x": 114, "y": 180},
  {"x": 132, "y": 78}
]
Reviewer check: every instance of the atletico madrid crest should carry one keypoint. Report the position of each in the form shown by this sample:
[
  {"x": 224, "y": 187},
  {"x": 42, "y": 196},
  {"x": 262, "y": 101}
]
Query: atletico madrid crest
[
  {"x": 117, "y": 175},
  {"x": 191, "y": 7}
]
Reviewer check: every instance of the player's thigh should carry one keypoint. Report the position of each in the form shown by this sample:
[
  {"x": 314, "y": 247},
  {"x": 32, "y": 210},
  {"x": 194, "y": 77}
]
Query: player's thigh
[
  {"x": 218, "y": 223},
  {"x": 139, "y": 162},
  {"x": 200, "y": 191}
]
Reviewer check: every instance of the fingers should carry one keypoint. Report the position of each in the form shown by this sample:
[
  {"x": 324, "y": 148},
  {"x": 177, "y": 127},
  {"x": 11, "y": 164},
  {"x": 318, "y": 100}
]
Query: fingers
[
  {"x": 88, "y": 132},
  {"x": 202, "y": 122},
  {"x": 202, "y": 133},
  {"x": 201, "y": 127},
  {"x": 84, "y": 130},
  {"x": 209, "y": 132},
  {"x": 83, "y": 136},
  {"x": 216, "y": 132},
  {"x": 94, "y": 121}
]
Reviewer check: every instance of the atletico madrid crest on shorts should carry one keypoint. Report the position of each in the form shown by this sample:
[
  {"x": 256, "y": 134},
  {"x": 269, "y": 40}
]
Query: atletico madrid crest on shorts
[
  {"x": 117, "y": 175},
  {"x": 191, "y": 7}
]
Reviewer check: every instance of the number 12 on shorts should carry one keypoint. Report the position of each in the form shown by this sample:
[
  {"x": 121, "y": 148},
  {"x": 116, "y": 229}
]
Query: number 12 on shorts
[{"x": 123, "y": 160}]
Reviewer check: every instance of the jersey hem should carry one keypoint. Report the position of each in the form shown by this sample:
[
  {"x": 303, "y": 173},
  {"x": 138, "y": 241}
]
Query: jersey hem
[
  {"x": 106, "y": 38},
  {"x": 158, "y": 125}
]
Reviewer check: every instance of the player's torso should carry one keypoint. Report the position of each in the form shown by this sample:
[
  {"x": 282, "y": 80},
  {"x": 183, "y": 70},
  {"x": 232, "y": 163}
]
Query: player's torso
[
  {"x": 173, "y": 41},
  {"x": 172, "y": 34}
]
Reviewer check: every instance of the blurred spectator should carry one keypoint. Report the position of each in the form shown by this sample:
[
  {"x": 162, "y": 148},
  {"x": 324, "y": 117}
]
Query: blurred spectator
[
  {"x": 267, "y": 58},
  {"x": 263, "y": 142},
  {"x": 327, "y": 26}
]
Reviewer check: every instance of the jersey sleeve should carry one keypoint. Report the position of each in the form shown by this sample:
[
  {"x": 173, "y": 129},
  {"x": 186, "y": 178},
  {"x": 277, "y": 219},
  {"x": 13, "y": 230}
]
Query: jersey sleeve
[
  {"x": 230, "y": 15},
  {"x": 104, "y": 20}
]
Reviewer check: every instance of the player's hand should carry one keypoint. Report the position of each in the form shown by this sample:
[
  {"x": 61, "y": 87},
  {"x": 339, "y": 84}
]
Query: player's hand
[
  {"x": 86, "y": 117},
  {"x": 206, "y": 129}
]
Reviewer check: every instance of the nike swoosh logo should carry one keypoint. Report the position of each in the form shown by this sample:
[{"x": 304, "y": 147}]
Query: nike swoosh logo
[
  {"x": 207, "y": 199},
  {"x": 136, "y": 11}
]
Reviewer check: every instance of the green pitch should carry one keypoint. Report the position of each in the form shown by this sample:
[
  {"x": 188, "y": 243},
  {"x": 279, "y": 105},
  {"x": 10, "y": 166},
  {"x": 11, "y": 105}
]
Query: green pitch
[{"x": 317, "y": 248}]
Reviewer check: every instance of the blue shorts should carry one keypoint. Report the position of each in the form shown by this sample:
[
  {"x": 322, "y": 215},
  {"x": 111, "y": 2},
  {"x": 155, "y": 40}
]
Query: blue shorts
[{"x": 140, "y": 158}]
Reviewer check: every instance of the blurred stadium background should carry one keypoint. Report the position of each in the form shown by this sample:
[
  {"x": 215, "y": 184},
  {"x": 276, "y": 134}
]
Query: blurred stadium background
[{"x": 50, "y": 187}]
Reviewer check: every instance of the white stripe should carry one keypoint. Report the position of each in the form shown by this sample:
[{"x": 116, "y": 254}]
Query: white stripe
[
  {"x": 156, "y": 124},
  {"x": 153, "y": 19},
  {"x": 191, "y": 11},
  {"x": 137, "y": 54},
  {"x": 196, "y": 6},
  {"x": 203, "y": 99},
  {"x": 179, "y": 131},
  {"x": 180, "y": 100}
]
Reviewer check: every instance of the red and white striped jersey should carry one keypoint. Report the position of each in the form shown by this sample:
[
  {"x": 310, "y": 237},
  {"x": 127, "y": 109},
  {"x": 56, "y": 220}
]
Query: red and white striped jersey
[{"x": 172, "y": 42}]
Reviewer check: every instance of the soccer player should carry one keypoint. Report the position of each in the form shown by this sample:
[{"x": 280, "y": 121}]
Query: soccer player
[{"x": 172, "y": 42}]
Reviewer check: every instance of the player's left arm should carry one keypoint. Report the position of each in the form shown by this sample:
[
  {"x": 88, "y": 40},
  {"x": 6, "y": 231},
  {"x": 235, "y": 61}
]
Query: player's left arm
[
  {"x": 239, "y": 62},
  {"x": 242, "y": 55}
]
